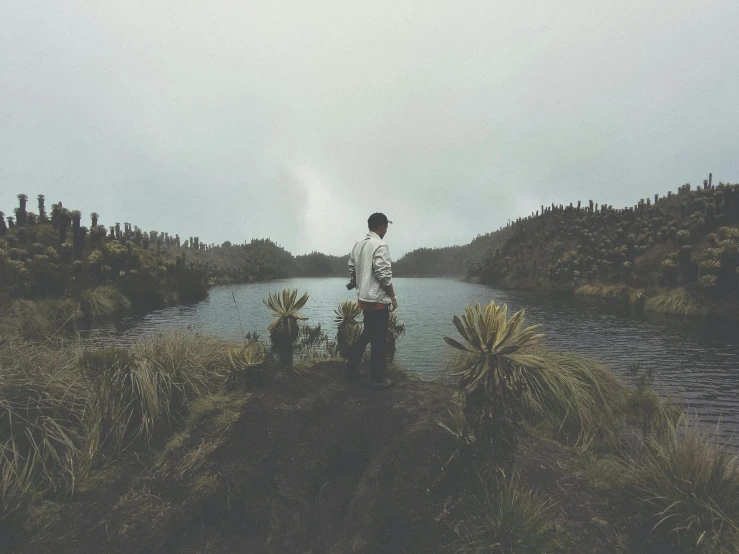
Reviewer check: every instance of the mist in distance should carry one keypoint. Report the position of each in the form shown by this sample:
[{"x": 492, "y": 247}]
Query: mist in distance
[{"x": 295, "y": 121}]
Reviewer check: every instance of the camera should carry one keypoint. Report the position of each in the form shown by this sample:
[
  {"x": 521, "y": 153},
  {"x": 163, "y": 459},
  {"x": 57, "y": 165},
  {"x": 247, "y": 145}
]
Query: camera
[{"x": 351, "y": 285}]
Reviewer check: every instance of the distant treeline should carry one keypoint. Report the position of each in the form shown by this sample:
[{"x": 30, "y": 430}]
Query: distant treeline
[
  {"x": 687, "y": 240},
  {"x": 449, "y": 261},
  {"x": 262, "y": 260},
  {"x": 55, "y": 255}
]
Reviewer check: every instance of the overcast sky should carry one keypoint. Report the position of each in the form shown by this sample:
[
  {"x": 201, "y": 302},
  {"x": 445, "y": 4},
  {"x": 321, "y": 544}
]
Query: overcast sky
[{"x": 296, "y": 120}]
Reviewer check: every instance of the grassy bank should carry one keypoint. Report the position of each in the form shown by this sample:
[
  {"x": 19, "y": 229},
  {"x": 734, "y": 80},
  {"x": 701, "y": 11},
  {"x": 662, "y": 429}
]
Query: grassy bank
[
  {"x": 681, "y": 248},
  {"x": 191, "y": 443},
  {"x": 677, "y": 302}
]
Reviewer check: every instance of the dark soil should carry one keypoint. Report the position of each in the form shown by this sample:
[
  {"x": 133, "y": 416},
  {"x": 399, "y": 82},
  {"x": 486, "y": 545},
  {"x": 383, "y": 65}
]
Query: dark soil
[{"x": 311, "y": 465}]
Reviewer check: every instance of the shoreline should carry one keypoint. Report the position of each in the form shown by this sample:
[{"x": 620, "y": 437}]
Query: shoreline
[
  {"x": 210, "y": 454},
  {"x": 675, "y": 303}
]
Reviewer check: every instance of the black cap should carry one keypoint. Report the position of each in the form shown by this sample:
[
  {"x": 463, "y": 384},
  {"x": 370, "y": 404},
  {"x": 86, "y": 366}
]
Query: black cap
[{"x": 377, "y": 219}]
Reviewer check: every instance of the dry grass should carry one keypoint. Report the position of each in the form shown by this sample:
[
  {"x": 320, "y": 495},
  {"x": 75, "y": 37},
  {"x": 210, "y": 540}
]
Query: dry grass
[
  {"x": 40, "y": 319},
  {"x": 43, "y": 405},
  {"x": 138, "y": 394},
  {"x": 192, "y": 360},
  {"x": 680, "y": 485},
  {"x": 576, "y": 396},
  {"x": 62, "y": 408},
  {"x": 101, "y": 302},
  {"x": 688, "y": 488},
  {"x": 623, "y": 293},
  {"x": 676, "y": 302},
  {"x": 214, "y": 414},
  {"x": 507, "y": 517}
]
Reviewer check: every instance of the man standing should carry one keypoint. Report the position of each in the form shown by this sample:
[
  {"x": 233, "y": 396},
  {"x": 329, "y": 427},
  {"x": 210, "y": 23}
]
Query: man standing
[{"x": 370, "y": 270}]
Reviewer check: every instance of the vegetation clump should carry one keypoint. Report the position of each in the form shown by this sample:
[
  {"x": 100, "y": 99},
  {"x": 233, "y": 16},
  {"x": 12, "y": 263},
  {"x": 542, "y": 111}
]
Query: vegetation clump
[
  {"x": 93, "y": 272},
  {"x": 43, "y": 427},
  {"x": 575, "y": 397},
  {"x": 283, "y": 331},
  {"x": 491, "y": 370},
  {"x": 678, "y": 254},
  {"x": 348, "y": 326},
  {"x": 688, "y": 488},
  {"x": 670, "y": 473},
  {"x": 505, "y": 516},
  {"x": 525, "y": 427},
  {"x": 245, "y": 361}
]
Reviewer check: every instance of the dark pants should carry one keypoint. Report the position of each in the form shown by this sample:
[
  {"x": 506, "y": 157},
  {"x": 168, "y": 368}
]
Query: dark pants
[{"x": 375, "y": 333}]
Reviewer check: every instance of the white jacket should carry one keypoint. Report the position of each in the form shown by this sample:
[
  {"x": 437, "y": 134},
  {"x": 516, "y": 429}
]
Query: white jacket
[{"x": 370, "y": 268}]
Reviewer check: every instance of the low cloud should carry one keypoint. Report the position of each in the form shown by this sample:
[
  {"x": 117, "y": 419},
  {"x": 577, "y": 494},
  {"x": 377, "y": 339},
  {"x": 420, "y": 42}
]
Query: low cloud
[{"x": 296, "y": 121}]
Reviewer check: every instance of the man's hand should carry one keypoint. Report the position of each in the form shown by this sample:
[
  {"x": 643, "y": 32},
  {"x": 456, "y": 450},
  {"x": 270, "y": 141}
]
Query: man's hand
[{"x": 395, "y": 304}]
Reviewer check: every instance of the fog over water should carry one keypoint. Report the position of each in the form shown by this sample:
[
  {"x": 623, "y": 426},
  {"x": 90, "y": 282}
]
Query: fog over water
[{"x": 294, "y": 121}]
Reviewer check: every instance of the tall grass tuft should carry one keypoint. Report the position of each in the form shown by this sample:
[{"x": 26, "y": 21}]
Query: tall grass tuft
[
  {"x": 676, "y": 302},
  {"x": 644, "y": 409},
  {"x": 42, "y": 410},
  {"x": 60, "y": 409},
  {"x": 137, "y": 394},
  {"x": 507, "y": 518},
  {"x": 104, "y": 301},
  {"x": 130, "y": 400},
  {"x": 622, "y": 293},
  {"x": 192, "y": 359},
  {"x": 40, "y": 319},
  {"x": 575, "y": 395},
  {"x": 689, "y": 488}
]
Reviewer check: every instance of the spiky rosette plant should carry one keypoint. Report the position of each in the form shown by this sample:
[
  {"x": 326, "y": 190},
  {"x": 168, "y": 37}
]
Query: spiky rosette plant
[
  {"x": 491, "y": 368},
  {"x": 346, "y": 316},
  {"x": 395, "y": 331},
  {"x": 245, "y": 357},
  {"x": 244, "y": 361},
  {"x": 351, "y": 335},
  {"x": 283, "y": 331}
]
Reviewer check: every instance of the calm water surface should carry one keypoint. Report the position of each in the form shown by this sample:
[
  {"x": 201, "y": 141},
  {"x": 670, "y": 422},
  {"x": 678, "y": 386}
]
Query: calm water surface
[{"x": 694, "y": 363}]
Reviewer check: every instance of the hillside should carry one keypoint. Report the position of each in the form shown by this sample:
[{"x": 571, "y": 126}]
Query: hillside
[
  {"x": 450, "y": 261},
  {"x": 55, "y": 257},
  {"x": 263, "y": 260},
  {"x": 677, "y": 253}
]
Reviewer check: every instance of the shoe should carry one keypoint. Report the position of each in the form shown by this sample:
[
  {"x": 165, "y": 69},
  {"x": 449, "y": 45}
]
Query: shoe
[{"x": 385, "y": 383}]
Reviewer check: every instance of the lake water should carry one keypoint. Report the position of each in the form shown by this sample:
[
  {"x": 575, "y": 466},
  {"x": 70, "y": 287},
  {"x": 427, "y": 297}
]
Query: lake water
[{"x": 694, "y": 363}]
